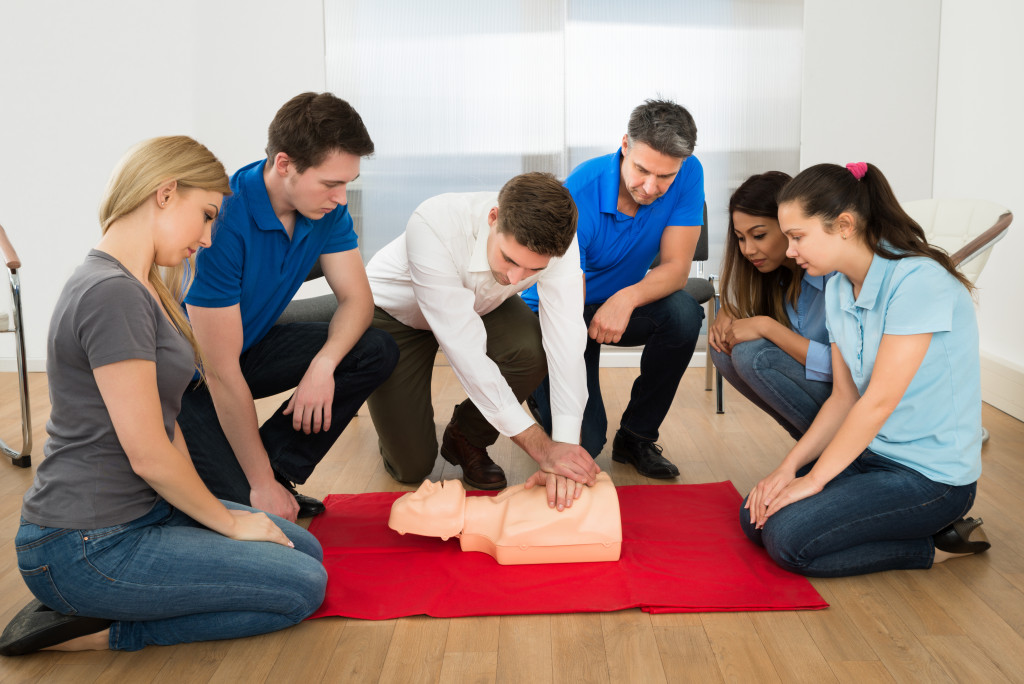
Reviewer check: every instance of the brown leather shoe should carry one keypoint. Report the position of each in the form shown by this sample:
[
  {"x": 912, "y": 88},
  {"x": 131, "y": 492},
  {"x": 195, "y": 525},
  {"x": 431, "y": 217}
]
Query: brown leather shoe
[{"x": 478, "y": 470}]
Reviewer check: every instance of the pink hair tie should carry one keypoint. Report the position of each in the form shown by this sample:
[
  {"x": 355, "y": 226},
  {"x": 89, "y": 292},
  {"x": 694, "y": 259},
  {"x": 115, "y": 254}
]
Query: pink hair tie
[{"x": 858, "y": 169}]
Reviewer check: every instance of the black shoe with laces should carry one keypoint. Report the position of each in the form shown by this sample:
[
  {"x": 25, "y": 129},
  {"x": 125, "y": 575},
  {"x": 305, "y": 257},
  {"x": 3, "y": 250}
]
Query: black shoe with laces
[{"x": 644, "y": 455}]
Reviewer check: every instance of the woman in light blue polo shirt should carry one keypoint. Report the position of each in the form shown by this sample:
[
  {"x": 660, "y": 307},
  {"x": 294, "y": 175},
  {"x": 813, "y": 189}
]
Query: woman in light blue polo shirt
[
  {"x": 769, "y": 341},
  {"x": 890, "y": 464}
]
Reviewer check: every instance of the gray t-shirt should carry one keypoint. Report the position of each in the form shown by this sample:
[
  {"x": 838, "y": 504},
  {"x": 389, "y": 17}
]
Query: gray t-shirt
[{"x": 104, "y": 315}]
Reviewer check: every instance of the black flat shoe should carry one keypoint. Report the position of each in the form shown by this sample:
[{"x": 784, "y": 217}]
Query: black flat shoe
[
  {"x": 36, "y": 627},
  {"x": 955, "y": 538}
]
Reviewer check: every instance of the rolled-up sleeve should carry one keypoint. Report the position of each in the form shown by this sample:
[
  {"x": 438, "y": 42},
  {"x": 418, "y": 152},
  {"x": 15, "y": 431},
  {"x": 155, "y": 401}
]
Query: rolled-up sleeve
[{"x": 819, "y": 362}]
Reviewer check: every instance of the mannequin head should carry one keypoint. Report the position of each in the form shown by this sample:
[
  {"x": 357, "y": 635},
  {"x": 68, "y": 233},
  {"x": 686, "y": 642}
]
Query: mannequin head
[{"x": 436, "y": 509}]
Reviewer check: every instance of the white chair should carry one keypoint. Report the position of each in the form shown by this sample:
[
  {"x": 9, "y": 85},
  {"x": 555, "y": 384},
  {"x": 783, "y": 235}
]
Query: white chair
[
  {"x": 12, "y": 323},
  {"x": 966, "y": 228}
]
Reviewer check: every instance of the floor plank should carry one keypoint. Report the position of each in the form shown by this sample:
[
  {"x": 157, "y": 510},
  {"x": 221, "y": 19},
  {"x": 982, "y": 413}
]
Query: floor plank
[{"x": 961, "y": 621}]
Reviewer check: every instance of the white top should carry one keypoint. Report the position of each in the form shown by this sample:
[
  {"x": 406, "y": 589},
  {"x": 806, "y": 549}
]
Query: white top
[{"x": 436, "y": 277}]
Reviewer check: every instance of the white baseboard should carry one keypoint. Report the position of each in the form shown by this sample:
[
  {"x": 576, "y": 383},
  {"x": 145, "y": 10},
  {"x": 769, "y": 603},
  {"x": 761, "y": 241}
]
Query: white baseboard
[
  {"x": 1002, "y": 385},
  {"x": 629, "y": 357},
  {"x": 34, "y": 365},
  {"x": 611, "y": 357}
]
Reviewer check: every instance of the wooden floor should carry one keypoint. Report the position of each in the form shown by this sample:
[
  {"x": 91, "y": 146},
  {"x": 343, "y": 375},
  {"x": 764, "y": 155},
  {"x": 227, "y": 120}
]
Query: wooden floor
[{"x": 962, "y": 621}]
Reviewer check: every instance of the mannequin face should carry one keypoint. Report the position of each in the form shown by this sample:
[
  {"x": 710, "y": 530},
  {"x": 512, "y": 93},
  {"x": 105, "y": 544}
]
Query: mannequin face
[{"x": 436, "y": 509}]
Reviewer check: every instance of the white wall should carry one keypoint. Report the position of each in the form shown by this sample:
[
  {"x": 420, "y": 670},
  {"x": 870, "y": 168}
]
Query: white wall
[
  {"x": 932, "y": 93},
  {"x": 870, "y": 75},
  {"x": 83, "y": 81},
  {"x": 979, "y": 152}
]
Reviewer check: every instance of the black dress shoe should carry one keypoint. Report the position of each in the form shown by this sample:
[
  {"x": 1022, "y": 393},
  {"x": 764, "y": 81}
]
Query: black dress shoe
[
  {"x": 308, "y": 506},
  {"x": 955, "y": 538},
  {"x": 645, "y": 456},
  {"x": 36, "y": 627}
]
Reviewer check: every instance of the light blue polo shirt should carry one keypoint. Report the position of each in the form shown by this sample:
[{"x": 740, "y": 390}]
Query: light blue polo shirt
[
  {"x": 616, "y": 250},
  {"x": 253, "y": 262},
  {"x": 936, "y": 428},
  {"x": 808, "y": 320}
]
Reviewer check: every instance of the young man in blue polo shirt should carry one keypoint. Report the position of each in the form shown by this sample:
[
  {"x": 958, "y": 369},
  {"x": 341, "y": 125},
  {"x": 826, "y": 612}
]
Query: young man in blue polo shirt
[
  {"x": 286, "y": 214},
  {"x": 643, "y": 201}
]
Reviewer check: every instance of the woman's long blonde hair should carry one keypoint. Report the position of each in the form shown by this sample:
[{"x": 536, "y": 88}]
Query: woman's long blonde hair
[{"x": 141, "y": 171}]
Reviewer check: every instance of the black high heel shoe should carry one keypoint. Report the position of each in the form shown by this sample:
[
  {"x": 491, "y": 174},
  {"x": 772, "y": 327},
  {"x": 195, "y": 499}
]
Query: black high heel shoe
[{"x": 955, "y": 538}]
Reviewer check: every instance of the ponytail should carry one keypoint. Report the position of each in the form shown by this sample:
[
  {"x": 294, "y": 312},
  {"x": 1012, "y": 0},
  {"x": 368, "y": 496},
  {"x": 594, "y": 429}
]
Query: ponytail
[{"x": 825, "y": 191}]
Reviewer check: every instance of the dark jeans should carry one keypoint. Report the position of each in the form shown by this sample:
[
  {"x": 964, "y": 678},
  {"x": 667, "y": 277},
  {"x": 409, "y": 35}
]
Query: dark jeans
[
  {"x": 775, "y": 382},
  {"x": 668, "y": 328},
  {"x": 875, "y": 515},
  {"x": 273, "y": 365}
]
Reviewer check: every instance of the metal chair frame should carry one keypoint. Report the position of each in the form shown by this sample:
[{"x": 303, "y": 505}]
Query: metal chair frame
[{"x": 23, "y": 457}]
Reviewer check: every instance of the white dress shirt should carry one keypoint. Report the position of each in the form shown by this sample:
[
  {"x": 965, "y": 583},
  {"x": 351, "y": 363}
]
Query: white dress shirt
[{"x": 436, "y": 277}]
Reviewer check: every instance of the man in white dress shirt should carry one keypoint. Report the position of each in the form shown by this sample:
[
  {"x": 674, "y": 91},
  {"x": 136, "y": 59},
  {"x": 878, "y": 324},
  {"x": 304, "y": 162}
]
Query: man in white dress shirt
[{"x": 452, "y": 279}]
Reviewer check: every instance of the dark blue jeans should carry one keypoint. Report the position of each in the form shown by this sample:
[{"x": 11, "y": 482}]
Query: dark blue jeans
[
  {"x": 775, "y": 382},
  {"x": 875, "y": 515},
  {"x": 273, "y": 365},
  {"x": 165, "y": 579},
  {"x": 668, "y": 328}
]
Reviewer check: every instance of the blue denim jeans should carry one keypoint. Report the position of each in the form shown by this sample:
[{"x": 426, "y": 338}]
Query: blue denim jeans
[
  {"x": 165, "y": 579},
  {"x": 668, "y": 328},
  {"x": 273, "y": 365},
  {"x": 775, "y": 382},
  {"x": 875, "y": 515}
]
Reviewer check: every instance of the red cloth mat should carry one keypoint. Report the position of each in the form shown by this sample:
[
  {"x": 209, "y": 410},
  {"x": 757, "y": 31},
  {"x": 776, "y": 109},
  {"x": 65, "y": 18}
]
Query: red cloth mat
[{"x": 682, "y": 552}]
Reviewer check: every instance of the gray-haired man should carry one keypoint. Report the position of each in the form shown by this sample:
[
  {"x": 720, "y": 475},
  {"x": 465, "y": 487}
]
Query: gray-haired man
[{"x": 644, "y": 200}]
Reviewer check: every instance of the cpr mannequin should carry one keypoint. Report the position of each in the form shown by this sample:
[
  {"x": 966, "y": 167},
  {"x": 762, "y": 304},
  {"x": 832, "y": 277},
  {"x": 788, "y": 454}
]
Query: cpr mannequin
[{"x": 516, "y": 527}]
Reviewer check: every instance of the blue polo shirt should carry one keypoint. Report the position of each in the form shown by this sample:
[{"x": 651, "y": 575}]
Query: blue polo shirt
[
  {"x": 616, "y": 250},
  {"x": 252, "y": 261},
  {"x": 808, "y": 320},
  {"x": 936, "y": 427}
]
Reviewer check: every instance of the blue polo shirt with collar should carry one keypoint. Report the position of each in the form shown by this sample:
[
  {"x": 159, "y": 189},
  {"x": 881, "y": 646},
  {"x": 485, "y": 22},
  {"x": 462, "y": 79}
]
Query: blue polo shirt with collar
[
  {"x": 252, "y": 261},
  {"x": 616, "y": 250},
  {"x": 808, "y": 320},
  {"x": 936, "y": 427}
]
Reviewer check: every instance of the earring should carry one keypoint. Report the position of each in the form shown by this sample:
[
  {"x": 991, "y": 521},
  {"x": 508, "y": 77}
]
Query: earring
[{"x": 843, "y": 235}]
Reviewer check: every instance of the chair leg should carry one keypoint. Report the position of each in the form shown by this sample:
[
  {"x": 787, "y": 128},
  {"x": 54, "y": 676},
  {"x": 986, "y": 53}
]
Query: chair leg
[
  {"x": 709, "y": 369},
  {"x": 713, "y": 307},
  {"x": 23, "y": 458}
]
